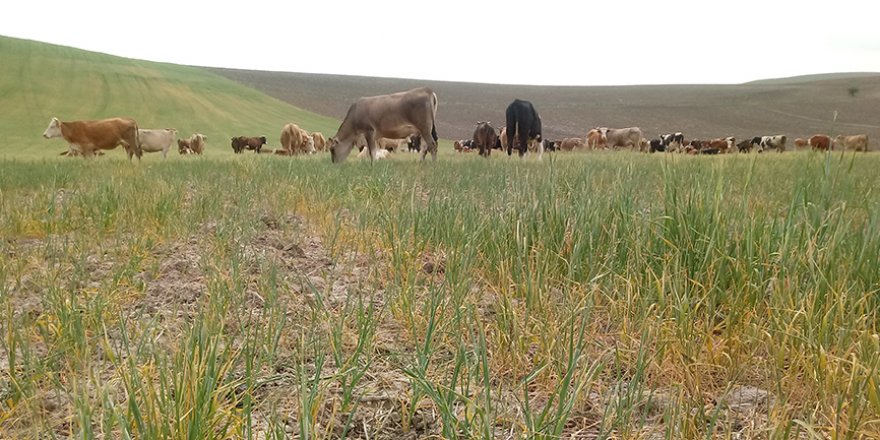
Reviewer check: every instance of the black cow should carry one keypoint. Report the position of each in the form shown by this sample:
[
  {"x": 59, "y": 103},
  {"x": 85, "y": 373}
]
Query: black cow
[
  {"x": 673, "y": 141},
  {"x": 414, "y": 143},
  {"x": 523, "y": 119},
  {"x": 657, "y": 145}
]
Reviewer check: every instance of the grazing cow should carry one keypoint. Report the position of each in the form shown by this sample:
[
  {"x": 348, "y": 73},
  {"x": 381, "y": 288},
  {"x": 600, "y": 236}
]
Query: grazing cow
[
  {"x": 319, "y": 140},
  {"x": 801, "y": 143},
  {"x": 414, "y": 143},
  {"x": 463, "y": 145},
  {"x": 198, "y": 143},
  {"x": 484, "y": 138},
  {"x": 86, "y": 137},
  {"x": 184, "y": 146},
  {"x": 820, "y": 142},
  {"x": 657, "y": 145},
  {"x": 523, "y": 120},
  {"x": 241, "y": 143},
  {"x": 551, "y": 145},
  {"x": 672, "y": 141},
  {"x": 155, "y": 140},
  {"x": 595, "y": 139},
  {"x": 857, "y": 142},
  {"x": 296, "y": 140},
  {"x": 571, "y": 144},
  {"x": 391, "y": 144},
  {"x": 395, "y": 116},
  {"x": 776, "y": 142},
  {"x": 746, "y": 145},
  {"x": 621, "y": 137},
  {"x": 723, "y": 145}
]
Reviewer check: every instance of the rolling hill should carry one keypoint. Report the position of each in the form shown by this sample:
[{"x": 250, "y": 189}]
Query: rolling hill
[
  {"x": 797, "y": 107},
  {"x": 39, "y": 81}
]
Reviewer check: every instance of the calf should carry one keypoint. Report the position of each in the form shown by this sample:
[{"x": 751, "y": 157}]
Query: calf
[{"x": 484, "y": 138}]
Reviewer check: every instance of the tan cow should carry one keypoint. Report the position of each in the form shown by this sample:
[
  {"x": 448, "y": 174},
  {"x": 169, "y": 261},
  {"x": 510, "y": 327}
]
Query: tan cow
[
  {"x": 571, "y": 144},
  {"x": 154, "y": 140},
  {"x": 857, "y": 142},
  {"x": 801, "y": 143},
  {"x": 86, "y": 137},
  {"x": 320, "y": 141},
  {"x": 394, "y": 145},
  {"x": 296, "y": 140},
  {"x": 394, "y": 116},
  {"x": 820, "y": 142},
  {"x": 595, "y": 140},
  {"x": 621, "y": 137}
]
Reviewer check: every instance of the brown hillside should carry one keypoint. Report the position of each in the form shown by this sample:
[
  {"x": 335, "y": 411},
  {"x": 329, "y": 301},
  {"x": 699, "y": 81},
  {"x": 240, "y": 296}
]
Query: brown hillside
[{"x": 795, "y": 108}]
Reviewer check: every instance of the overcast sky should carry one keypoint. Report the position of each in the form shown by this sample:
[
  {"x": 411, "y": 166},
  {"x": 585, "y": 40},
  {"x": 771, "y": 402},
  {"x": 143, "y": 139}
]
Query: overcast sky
[{"x": 566, "y": 42}]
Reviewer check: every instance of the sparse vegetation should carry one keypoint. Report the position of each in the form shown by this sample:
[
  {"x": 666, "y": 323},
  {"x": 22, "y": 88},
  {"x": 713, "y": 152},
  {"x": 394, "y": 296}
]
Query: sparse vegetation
[
  {"x": 853, "y": 91},
  {"x": 608, "y": 295}
]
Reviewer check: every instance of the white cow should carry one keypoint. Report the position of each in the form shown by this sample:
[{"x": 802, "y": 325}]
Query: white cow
[{"x": 157, "y": 139}]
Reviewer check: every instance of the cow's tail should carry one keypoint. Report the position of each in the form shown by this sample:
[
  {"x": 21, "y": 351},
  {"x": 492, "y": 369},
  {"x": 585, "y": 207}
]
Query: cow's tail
[
  {"x": 434, "y": 116},
  {"x": 137, "y": 141}
]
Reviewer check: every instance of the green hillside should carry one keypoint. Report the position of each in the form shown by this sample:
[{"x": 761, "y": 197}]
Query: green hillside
[{"x": 39, "y": 81}]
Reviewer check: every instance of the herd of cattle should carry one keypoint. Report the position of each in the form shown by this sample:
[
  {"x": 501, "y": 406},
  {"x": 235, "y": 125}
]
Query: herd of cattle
[{"x": 381, "y": 124}]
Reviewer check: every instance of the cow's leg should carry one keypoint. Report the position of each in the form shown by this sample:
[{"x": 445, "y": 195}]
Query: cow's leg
[{"x": 371, "y": 145}]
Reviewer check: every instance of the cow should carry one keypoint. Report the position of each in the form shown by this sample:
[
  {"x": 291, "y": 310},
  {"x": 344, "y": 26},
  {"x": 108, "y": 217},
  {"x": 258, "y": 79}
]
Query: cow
[
  {"x": 746, "y": 145},
  {"x": 484, "y": 138},
  {"x": 820, "y": 142},
  {"x": 571, "y": 144},
  {"x": 656, "y": 145},
  {"x": 776, "y": 142},
  {"x": 523, "y": 121},
  {"x": 595, "y": 140},
  {"x": 319, "y": 140},
  {"x": 551, "y": 145},
  {"x": 86, "y": 137},
  {"x": 463, "y": 145},
  {"x": 621, "y": 137},
  {"x": 393, "y": 145},
  {"x": 155, "y": 140},
  {"x": 296, "y": 140},
  {"x": 395, "y": 116},
  {"x": 380, "y": 153},
  {"x": 241, "y": 143},
  {"x": 184, "y": 146},
  {"x": 801, "y": 143},
  {"x": 857, "y": 142},
  {"x": 672, "y": 141},
  {"x": 414, "y": 143},
  {"x": 722, "y": 145},
  {"x": 198, "y": 142}
]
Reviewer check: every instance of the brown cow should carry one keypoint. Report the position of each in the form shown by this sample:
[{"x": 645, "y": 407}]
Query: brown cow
[
  {"x": 395, "y": 116},
  {"x": 184, "y": 146},
  {"x": 296, "y": 140},
  {"x": 820, "y": 142},
  {"x": 86, "y": 137},
  {"x": 484, "y": 138},
  {"x": 319, "y": 140},
  {"x": 241, "y": 143},
  {"x": 571, "y": 144},
  {"x": 595, "y": 140},
  {"x": 801, "y": 143},
  {"x": 857, "y": 142}
]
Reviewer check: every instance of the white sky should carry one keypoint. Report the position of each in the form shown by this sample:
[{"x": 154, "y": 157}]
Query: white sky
[{"x": 568, "y": 42}]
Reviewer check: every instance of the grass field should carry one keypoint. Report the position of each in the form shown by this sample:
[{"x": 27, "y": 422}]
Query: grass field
[
  {"x": 587, "y": 296},
  {"x": 39, "y": 81}
]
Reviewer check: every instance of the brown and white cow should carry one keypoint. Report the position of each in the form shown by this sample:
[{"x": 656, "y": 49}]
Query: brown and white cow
[
  {"x": 485, "y": 138},
  {"x": 776, "y": 142},
  {"x": 394, "y": 116},
  {"x": 194, "y": 145},
  {"x": 621, "y": 137},
  {"x": 319, "y": 140},
  {"x": 857, "y": 142},
  {"x": 820, "y": 142},
  {"x": 296, "y": 140},
  {"x": 154, "y": 140},
  {"x": 86, "y": 137}
]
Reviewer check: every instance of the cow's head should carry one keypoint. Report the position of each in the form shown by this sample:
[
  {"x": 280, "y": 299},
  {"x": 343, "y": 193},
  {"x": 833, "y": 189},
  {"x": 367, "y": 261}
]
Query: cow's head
[
  {"x": 54, "y": 129},
  {"x": 262, "y": 140},
  {"x": 339, "y": 150}
]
